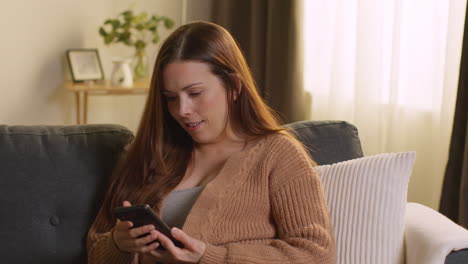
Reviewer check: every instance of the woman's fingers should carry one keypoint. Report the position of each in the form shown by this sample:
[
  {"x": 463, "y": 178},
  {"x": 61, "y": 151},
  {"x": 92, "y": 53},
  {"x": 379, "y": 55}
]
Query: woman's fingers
[
  {"x": 143, "y": 239},
  {"x": 131, "y": 244},
  {"x": 149, "y": 248},
  {"x": 136, "y": 232},
  {"x": 123, "y": 225},
  {"x": 192, "y": 252},
  {"x": 182, "y": 237},
  {"x": 168, "y": 244},
  {"x": 151, "y": 237}
]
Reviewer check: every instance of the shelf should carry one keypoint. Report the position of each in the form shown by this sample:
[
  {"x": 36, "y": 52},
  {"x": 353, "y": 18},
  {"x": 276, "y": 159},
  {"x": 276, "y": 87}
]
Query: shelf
[
  {"x": 100, "y": 88},
  {"x": 105, "y": 87}
]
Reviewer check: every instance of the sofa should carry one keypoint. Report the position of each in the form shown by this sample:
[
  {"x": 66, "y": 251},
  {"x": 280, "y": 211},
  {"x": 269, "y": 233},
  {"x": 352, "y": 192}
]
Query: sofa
[{"x": 53, "y": 179}]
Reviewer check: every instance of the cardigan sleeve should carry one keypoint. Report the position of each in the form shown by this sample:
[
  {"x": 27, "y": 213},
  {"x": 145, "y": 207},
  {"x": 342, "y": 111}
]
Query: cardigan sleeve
[
  {"x": 102, "y": 249},
  {"x": 304, "y": 232}
]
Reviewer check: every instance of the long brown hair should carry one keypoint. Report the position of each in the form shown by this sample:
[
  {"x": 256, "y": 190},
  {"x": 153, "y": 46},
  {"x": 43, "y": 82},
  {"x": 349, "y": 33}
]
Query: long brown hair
[{"x": 159, "y": 155}]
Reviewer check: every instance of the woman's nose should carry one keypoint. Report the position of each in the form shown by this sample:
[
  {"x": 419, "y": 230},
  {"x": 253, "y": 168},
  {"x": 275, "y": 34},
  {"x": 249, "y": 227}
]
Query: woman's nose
[{"x": 185, "y": 107}]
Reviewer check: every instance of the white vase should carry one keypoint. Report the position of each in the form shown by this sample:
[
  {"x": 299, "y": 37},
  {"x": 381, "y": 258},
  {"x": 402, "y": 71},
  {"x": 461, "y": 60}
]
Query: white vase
[{"x": 122, "y": 73}]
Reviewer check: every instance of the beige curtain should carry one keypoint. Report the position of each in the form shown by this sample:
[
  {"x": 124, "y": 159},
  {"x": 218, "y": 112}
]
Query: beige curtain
[
  {"x": 390, "y": 68},
  {"x": 270, "y": 34}
]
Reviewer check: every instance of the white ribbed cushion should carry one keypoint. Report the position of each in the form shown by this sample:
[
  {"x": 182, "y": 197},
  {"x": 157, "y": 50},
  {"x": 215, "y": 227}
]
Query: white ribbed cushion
[{"x": 367, "y": 200}]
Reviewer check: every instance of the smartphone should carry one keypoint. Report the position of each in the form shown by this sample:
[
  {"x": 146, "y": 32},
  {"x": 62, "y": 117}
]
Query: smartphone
[{"x": 141, "y": 215}]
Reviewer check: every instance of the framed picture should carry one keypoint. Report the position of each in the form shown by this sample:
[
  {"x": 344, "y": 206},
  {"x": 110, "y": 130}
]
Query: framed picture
[{"x": 85, "y": 65}]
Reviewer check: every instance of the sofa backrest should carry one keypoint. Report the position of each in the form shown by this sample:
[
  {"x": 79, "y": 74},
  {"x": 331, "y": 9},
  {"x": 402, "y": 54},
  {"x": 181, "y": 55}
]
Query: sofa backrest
[
  {"x": 52, "y": 181},
  {"x": 328, "y": 142},
  {"x": 51, "y": 184}
]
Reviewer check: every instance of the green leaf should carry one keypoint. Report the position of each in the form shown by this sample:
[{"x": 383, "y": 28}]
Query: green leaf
[
  {"x": 102, "y": 32},
  {"x": 168, "y": 23},
  {"x": 108, "y": 39},
  {"x": 140, "y": 44},
  {"x": 126, "y": 25},
  {"x": 115, "y": 24},
  {"x": 128, "y": 15},
  {"x": 151, "y": 23},
  {"x": 148, "y": 24},
  {"x": 139, "y": 27},
  {"x": 123, "y": 36}
]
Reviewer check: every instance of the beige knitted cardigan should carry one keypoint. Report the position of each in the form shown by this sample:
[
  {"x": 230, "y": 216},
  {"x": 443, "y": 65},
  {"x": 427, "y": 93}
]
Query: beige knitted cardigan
[{"x": 265, "y": 206}]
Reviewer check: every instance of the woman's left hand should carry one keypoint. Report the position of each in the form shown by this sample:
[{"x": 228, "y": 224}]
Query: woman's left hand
[{"x": 191, "y": 253}]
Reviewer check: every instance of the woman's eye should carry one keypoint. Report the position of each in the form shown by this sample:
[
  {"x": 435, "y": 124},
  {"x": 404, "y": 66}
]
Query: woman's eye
[
  {"x": 195, "y": 93},
  {"x": 171, "y": 98}
]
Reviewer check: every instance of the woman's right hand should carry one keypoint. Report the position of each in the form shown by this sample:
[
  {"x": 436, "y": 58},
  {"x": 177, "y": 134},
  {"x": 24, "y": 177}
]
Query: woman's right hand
[{"x": 126, "y": 237}]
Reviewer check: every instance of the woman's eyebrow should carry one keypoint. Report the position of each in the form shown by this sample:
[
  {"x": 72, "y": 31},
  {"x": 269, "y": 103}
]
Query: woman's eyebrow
[{"x": 183, "y": 89}]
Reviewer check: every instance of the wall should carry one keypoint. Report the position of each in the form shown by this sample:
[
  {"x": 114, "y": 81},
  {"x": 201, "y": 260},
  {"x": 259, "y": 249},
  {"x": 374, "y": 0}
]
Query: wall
[
  {"x": 199, "y": 10},
  {"x": 35, "y": 36}
]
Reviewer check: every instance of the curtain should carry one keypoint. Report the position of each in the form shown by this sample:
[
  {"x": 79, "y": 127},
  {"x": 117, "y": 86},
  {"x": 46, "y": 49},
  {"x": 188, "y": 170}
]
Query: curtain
[
  {"x": 270, "y": 34},
  {"x": 454, "y": 200},
  {"x": 391, "y": 68}
]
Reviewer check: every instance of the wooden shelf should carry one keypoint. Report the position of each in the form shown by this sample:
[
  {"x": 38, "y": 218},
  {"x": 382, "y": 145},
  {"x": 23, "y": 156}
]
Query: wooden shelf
[
  {"x": 100, "y": 88},
  {"x": 106, "y": 87}
]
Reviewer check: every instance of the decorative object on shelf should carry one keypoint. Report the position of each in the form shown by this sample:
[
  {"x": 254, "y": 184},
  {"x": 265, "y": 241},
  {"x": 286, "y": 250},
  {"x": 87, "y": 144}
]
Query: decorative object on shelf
[
  {"x": 135, "y": 30},
  {"x": 85, "y": 65},
  {"x": 121, "y": 73}
]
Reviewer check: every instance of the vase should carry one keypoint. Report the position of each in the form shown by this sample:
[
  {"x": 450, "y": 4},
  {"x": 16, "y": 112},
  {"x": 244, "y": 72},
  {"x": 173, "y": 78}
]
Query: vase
[
  {"x": 122, "y": 73},
  {"x": 140, "y": 65}
]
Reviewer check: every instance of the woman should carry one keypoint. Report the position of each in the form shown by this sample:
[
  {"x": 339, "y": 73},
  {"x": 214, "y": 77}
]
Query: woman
[{"x": 207, "y": 141}]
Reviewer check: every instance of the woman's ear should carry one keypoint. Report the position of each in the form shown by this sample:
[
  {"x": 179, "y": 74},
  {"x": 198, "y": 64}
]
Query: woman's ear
[{"x": 237, "y": 85}]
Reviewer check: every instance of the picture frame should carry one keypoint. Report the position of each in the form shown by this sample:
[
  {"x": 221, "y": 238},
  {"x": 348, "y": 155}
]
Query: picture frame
[{"x": 85, "y": 65}]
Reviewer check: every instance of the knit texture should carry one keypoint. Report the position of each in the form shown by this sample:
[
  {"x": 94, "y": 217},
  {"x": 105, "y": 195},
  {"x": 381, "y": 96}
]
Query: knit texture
[
  {"x": 265, "y": 206},
  {"x": 104, "y": 250},
  {"x": 367, "y": 200}
]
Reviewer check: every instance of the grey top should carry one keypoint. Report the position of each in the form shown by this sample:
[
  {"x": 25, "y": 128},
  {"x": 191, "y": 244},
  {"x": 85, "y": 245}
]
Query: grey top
[{"x": 178, "y": 205}]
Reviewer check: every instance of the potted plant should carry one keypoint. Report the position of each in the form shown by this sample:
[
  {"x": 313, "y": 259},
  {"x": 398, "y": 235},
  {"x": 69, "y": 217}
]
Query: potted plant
[{"x": 135, "y": 30}]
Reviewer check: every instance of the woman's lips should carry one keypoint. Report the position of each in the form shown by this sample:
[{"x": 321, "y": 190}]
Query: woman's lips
[{"x": 192, "y": 126}]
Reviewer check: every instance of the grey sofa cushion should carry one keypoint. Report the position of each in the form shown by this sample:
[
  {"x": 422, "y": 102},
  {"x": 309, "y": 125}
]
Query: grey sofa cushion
[
  {"x": 51, "y": 183},
  {"x": 457, "y": 257},
  {"x": 329, "y": 141}
]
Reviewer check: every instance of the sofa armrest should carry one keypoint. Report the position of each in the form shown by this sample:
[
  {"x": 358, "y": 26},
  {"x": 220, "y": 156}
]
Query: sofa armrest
[{"x": 430, "y": 236}]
